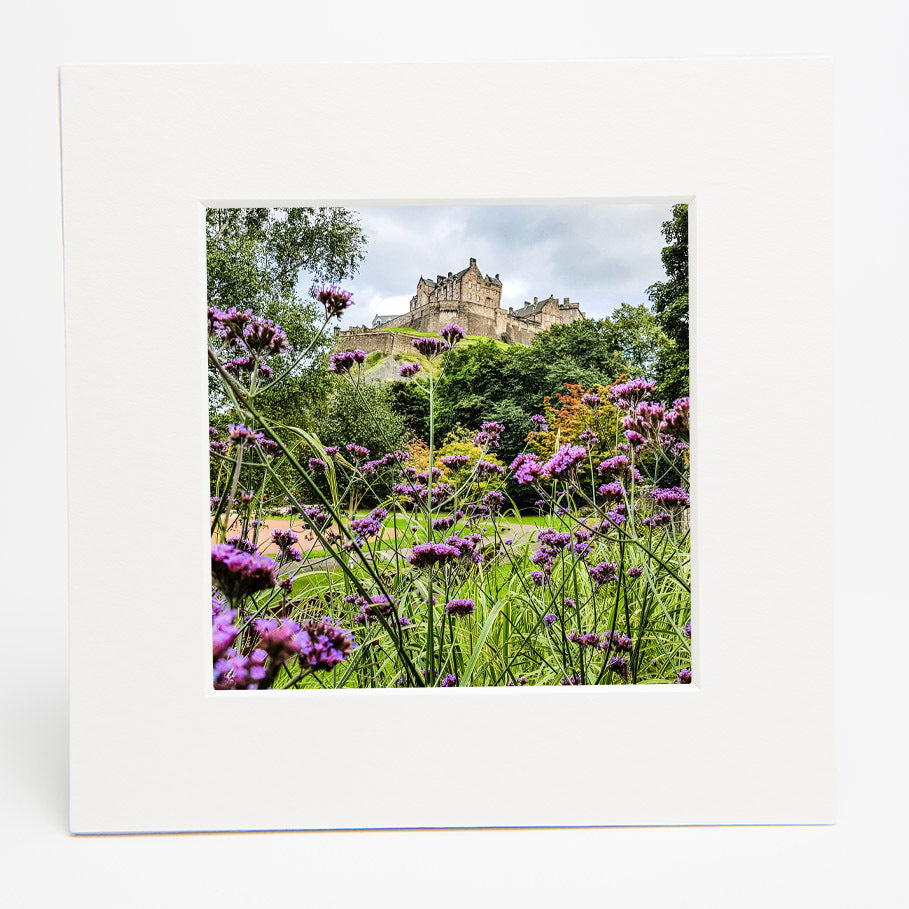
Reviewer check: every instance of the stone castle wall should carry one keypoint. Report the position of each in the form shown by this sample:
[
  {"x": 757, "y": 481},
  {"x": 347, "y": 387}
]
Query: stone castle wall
[
  {"x": 372, "y": 339},
  {"x": 468, "y": 299}
]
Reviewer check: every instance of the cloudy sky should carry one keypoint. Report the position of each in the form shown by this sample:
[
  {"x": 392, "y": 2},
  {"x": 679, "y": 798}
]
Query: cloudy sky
[{"x": 600, "y": 254}]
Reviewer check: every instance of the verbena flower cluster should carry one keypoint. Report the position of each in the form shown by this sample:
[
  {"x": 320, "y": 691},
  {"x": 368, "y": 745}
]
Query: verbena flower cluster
[{"x": 343, "y": 363}]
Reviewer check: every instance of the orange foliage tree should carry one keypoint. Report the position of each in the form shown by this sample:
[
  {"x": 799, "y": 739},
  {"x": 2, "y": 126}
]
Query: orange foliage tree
[{"x": 570, "y": 421}]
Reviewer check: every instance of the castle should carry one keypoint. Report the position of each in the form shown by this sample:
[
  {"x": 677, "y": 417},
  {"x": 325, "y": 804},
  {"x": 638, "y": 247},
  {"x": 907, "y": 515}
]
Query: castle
[{"x": 468, "y": 298}]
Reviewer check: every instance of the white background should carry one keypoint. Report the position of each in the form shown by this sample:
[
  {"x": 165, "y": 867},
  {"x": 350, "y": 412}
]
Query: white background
[{"x": 856, "y": 863}]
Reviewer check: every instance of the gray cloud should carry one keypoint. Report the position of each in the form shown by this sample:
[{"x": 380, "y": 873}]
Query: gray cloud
[{"x": 600, "y": 254}]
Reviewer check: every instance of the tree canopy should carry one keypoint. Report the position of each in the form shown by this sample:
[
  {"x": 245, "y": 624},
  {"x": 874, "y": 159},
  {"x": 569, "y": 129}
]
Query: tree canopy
[
  {"x": 670, "y": 305},
  {"x": 255, "y": 259}
]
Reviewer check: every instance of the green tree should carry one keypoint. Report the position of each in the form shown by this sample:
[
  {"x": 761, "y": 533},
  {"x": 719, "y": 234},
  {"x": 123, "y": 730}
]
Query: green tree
[
  {"x": 412, "y": 405},
  {"x": 670, "y": 304},
  {"x": 584, "y": 352},
  {"x": 256, "y": 259},
  {"x": 639, "y": 339},
  {"x": 360, "y": 416}
]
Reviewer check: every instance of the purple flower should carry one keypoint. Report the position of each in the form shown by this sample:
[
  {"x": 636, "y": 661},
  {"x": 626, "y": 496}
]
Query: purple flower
[
  {"x": 677, "y": 420},
  {"x": 238, "y": 432},
  {"x": 635, "y": 572},
  {"x": 674, "y": 496},
  {"x": 377, "y": 605},
  {"x": 645, "y": 420},
  {"x": 549, "y": 619},
  {"x": 684, "y": 677},
  {"x": 453, "y": 462},
  {"x": 687, "y": 629},
  {"x": 450, "y": 681},
  {"x": 231, "y": 672},
  {"x": 590, "y": 639},
  {"x": 493, "y": 500},
  {"x": 370, "y": 526},
  {"x": 603, "y": 572},
  {"x": 617, "y": 642},
  {"x": 223, "y": 631},
  {"x": 237, "y": 573},
  {"x": 520, "y": 680},
  {"x": 619, "y": 665},
  {"x": 333, "y": 299},
  {"x": 488, "y": 469},
  {"x": 444, "y": 523},
  {"x": 591, "y": 400},
  {"x": 322, "y": 645},
  {"x": 538, "y": 578},
  {"x": 278, "y": 638},
  {"x": 357, "y": 451},
  {"x": 553, "y": 538},
  {"x": 574, "y": 679},
  {"x": 425, "y": 555},
  {"x": 466, "y": 546},
  {"x": 242, "y": 543},
  {"x": 239, "y": 364},
  {"x": 218, "y": 447},
  {"x": 263, "y": 336},
  {"x": 564, "y": 461},
  {"x": 342, "y": 363},
  {"x": 317, "y": 464},
  {"x": 634, "y": 438},
  {"x": 613, "y": 490},
  {"x": 489, "y": 434},
  {"x": 589, "y": 438},
  {"x": 616, "y": 466},
  {"x": 630, "y": 393},
  {"x": 409, "y": 370},
  {"x": 284, "y": 539},
  {"x": 656, "y": 519},
  {"x": 430, "y": 347},
  {"x": 540, "y": 423},
  {"x": 315, "y": 517},
  {"x": 460, "y": 608},
  {"x": 453, "y": 333},
  {"x": 570, "y": 604},
  {"x": 526, "y": 469},
  {"x": 229, "y": 325}
]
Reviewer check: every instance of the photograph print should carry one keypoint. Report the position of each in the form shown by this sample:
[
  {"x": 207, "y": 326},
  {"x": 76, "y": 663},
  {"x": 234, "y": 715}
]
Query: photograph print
[{"x": 449, "y": 445}]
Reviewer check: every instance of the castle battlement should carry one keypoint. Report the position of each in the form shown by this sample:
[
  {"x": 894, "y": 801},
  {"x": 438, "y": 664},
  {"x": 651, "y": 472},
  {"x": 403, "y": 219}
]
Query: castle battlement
[{"x": 470, "y": 299}]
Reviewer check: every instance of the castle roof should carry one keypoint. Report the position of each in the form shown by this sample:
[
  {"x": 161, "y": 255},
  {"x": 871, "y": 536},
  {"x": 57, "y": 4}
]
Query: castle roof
[
  {"x": 380, "y": 320},
  {"x": 531, "y": 309}
]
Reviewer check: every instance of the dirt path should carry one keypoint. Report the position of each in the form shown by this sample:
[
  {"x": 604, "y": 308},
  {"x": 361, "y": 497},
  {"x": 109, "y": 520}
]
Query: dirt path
[{"x": 519, "y": 533}]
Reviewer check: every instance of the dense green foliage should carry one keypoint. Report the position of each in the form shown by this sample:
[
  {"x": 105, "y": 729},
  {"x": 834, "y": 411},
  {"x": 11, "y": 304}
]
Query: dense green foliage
[
  {"x": 360, "y": 416},
  {"x": 486, "y": 381},
  {"x": 670, "y": 304},
  {"x": 254, "y": 260}
]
